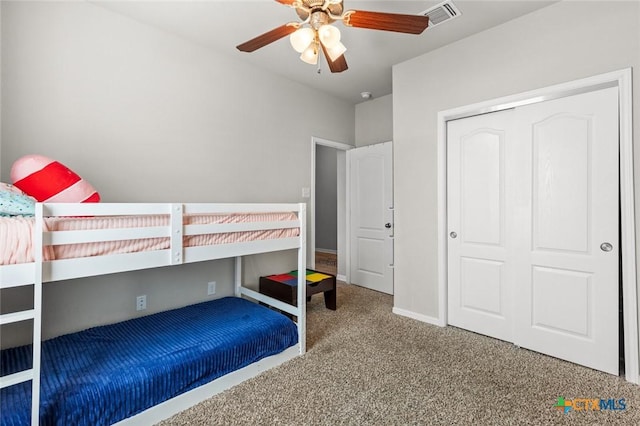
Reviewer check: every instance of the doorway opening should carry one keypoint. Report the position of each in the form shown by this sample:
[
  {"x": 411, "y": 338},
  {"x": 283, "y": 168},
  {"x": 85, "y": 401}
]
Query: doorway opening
[{"x": 328, "y": 231}]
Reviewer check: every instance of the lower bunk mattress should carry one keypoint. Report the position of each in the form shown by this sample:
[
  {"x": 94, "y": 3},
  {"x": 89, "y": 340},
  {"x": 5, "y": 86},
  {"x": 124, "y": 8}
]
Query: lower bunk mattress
[{"x": 105, "y": 374}]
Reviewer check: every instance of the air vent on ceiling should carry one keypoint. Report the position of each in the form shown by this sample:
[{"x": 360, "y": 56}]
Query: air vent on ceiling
[{"x": 442, "y": 12}]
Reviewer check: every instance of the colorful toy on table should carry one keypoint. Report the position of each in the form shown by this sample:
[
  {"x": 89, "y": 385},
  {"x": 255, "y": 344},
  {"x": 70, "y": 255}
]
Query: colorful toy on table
[{"x": 291, "y": 278}]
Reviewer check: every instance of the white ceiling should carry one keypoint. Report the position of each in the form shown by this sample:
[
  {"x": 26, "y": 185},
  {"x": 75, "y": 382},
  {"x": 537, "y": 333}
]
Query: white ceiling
[{"x": 223, "y": 24}]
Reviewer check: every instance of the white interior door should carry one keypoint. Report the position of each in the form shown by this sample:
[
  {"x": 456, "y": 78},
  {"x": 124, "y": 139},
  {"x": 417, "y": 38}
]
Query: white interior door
[
  {"x": 479, "y": 271},
  {"x": 533, "y": 199},
  {"x": 568, "y": 254},
  {"x": 371, "y": 218}
]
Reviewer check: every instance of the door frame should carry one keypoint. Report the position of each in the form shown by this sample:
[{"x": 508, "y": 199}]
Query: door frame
[
  {"x": 312, "y": 208},
  {"x": 621, "y": 79}
]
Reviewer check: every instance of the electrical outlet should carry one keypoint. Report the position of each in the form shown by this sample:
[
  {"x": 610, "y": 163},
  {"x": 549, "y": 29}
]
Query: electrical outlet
[
  {"x": 141, "y": 302},
  {"x": 211, "y": 288}
]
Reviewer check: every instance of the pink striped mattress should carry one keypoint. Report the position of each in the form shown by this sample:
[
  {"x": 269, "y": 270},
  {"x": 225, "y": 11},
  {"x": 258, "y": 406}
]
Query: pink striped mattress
[{"x": 16, "y": 244}]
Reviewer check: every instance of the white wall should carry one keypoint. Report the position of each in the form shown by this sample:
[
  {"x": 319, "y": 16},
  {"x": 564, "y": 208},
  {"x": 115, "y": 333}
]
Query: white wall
[
  {"x": 146, "y": 116},
  {"x": 374, "y": 121},
  {"x": 566, "y": 41}
]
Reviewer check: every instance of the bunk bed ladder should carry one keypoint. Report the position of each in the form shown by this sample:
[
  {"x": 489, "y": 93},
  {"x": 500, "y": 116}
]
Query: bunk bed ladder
[{"x": 34, "y": 314}]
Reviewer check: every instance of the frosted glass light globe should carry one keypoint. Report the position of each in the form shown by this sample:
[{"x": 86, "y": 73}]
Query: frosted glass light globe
[
  {"x": 310, "y": 54},
  {"x": 301, "y": 39},
  {"x": 329, "y": 35}
]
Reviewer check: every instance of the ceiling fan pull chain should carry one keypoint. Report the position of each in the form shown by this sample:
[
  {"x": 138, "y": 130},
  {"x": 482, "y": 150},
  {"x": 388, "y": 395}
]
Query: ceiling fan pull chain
[{"x": 320, "y": 52}]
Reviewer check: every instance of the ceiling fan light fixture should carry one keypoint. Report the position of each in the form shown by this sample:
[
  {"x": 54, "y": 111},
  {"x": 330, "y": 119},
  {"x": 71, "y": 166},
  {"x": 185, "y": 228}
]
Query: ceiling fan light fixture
[
  {"x": 336, "y": 51},
  {"x": 301, "y": 39},
  {"x": 315, "y": 30},
  {"x": 329, "y": 35},
  {"x": 310, "y": 54}
]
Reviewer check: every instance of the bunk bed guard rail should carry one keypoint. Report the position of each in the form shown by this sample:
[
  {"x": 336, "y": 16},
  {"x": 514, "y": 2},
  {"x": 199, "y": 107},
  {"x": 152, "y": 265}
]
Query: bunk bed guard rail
[{"x": 176, "y": 230}]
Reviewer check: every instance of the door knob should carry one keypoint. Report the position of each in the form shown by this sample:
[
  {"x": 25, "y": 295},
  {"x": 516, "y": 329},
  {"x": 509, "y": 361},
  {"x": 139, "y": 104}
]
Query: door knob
[
  {"x": 387, "y": 225},
  {"x": 606, "y": 247},
  {"x": 453, "y": 234}
]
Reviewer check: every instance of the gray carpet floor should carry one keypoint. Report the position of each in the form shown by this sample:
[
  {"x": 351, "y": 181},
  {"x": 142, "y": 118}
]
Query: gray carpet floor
[{"x": 367, "y": 366}]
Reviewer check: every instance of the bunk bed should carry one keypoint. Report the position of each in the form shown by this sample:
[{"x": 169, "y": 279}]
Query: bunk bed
[{"x": 126, "y": 237}]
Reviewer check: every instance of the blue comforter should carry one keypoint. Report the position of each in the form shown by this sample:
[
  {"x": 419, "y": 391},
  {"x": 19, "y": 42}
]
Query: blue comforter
[{"x": 105, "y": 374}]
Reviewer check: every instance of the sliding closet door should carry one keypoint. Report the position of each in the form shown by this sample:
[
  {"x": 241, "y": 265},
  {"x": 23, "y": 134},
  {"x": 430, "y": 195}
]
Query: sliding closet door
[
  {"x": 533, "y": 251},
  {"x": 479, "y": 219},
  {"x": 567, "y": 249}
]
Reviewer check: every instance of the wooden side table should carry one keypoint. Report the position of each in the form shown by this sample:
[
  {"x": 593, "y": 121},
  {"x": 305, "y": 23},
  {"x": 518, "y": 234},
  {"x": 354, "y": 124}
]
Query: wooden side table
[{"x": 284, "y": 287}]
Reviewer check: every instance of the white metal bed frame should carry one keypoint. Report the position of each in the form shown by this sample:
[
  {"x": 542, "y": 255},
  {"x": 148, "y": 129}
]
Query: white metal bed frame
[{"x": 41, "y": 271}]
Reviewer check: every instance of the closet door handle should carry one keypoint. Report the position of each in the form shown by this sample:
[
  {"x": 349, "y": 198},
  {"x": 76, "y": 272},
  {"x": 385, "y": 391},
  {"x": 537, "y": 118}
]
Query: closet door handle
[
  {"x": 387, "y": 225},
  {"x": 606, "y": 247},
  {"x": 453, "y": 234}
]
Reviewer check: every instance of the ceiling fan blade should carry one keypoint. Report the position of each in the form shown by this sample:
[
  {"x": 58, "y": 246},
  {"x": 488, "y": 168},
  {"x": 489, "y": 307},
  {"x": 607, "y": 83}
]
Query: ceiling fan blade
[
  {"x": 411, "y": 24},
  {"x": 339, "y": 65},
  {"x": 268, "y": 37}
]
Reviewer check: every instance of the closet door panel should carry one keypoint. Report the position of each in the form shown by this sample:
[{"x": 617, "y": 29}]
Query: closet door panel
[
  {"x": 533, "y": 250},
  {"x": 568, "y": 306},
  {"x": 556, "y": 291},
  {"x": 482, "y": 187},
  {"x": 561, "y": 183},
  {"x": 479, "y": 281}
]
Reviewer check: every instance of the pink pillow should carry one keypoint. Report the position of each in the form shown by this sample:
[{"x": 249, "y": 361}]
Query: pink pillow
[{"x": 47, "y": 180}]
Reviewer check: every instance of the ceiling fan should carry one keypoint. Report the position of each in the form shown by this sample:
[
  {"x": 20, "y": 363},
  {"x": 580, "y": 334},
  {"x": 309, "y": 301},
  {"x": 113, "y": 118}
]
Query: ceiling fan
[{"x": 315, "y": 33}]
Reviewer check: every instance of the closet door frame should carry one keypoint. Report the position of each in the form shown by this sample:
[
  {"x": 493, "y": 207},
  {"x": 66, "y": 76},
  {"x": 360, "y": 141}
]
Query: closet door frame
[{"x": 620, "y": 79}]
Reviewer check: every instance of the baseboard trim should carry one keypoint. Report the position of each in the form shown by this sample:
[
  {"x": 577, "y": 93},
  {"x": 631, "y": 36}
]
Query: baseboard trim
[
  {"x": 420, "y": 317},
  {"x": 342, "y": 278},
  {"x": 329, "y": 251}
]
